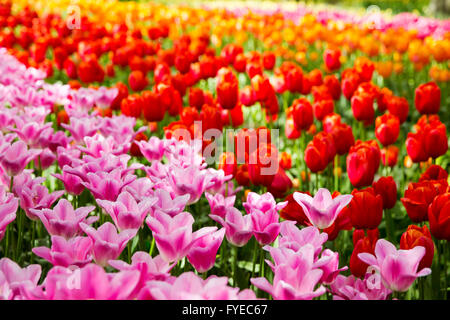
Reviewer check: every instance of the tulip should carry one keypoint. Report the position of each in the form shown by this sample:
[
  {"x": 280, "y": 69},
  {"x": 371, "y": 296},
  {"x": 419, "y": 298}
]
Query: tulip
[
  {"x": 294, "y": 282},
  {"x": 16, "y": 157},
  {"x": 387, "y": 188},
  {"x": 131, "y": 106},
  {"x": 293, "y": 211},
  {"x": 153, "y": 149},
  {"x": 332, "y": 59},
  {"x": 428, "y": 98},
  {"x": 189, "y": 286},
  {"x": 202, "y": 254},
  {"x": 389, "y": 156},
  {"x": 263, "y": 165},
  {"x": 357, "y": 266},
  {"x": 63, "y": 220},
  {"x": 219, "y": 204},
  {"x": 227, "y": 89},
  {"x": 152, "y": 108},
  {"x": 126, "y": 212},
  {"x": 33, "y": 195},
  {"x": 65, "y": 253},
  {"x": 434, "y": 172},
  {"x": 366, "y": 209},
  {"x": 322, "y": 210},
  {"x": 280, "y": 184},
  {"x": 238, "y": 228},
  {"x": 387, "y": 129},
  {"x": 418, "y": 197},
  {"x": 137, "y": 80},
  {"x": 363, "y": 161},
  {"x": 343, "y": 138},
  {"x": 18, "y": 278},
  {"x": 8, "y": 208},
  {"x": 323, "y": 108},
  {"x": 168, "y": 203},
  {"x": 398, "y": 268},
  {"x": 362, "y": 107},
  {"x": 439, "y": 217},
  {"x": 351, "y": 288},
  {"x": 399, "y": 107},
  {"x": 333, "y": 85},
  {"x": 173, "y": 235},
  {"x": 302, "y": 114},
  {"x": 107, "y": 243},
  {"x": 416, "y": 236}
]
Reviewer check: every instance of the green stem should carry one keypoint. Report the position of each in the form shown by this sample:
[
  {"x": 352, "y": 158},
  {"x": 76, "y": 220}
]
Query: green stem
[
  {"x": 336, "y": 173},
  {"x": 235, "y": 252},
  {"x": 152, "y": 246},
  {"x": 255, "y": 249},
  {"x": 33, "y": 235}
]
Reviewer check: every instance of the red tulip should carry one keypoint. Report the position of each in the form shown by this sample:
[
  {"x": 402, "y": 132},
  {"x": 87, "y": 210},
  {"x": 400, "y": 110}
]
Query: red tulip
[
  {"x": 323, "y": 108},
  {"x": 242, "y": 176},
  {"x": 196, "y": 98},
  {"x": 132, "y": 105},
  {"x": 363, "y": 161},
  {"x": 399, "y": 107},
  {"x": 389, "y": 156},
  {"x": 343, "y": 138},
  {"x": 302, "y": 114},
  {"x": 362, "y": 107},
  {"x": 434, "y": 172},
  {"x": 137, "y": 80},
  {"x": 135, "y": 151},
  {"x": 357, "y": 267},
  {"x": 333, "y": 85},
  {"x": 428, "y": 98},
  {"x": 439, "y": 217},
  {"x": 417, "y": 198},
  {"x": 416, "y": 236},
  {"x": 268, "y": 59},
  {"x": 387, "y": 129},
  {"x": 280, "y": 185},
  {"x": 263, "y": 164},
  {"x": 387, "y": 188},
  {"x": 227, "y": 89},
  {"x": 366, "y": 209},
  {"x": 332, "y": 59},
  {"x": 285, "y": 160}
]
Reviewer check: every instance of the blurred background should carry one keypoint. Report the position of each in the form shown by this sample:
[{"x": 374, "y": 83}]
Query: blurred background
[{"x": 431, "y": 8}]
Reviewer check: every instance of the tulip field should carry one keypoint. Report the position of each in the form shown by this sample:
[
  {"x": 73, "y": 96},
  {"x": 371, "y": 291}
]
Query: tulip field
[{"x": 222, "y": 151}]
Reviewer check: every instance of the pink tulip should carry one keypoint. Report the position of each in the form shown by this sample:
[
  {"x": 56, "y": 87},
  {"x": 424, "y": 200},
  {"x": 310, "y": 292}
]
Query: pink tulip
[
  {"x": 171, "y": 205},
  {"x": 82, "y": 127},
  {"x": 72, "y": 183},
  {"x": 331, "y": 268},
  {"x": 45, "y": 159},
  {"x": 140, "y": 188},
  {"x": 265, "y": 226},
  {"x": 202, "y": 254},
  {"x": 149, "y": 268},
  {"x": 188, "y": 286},
  {"x": 322, "y": 210},
  {"x": 98, "y": 144},
  {"x": 352, "y": 288},
  {"x": 88, "y": 283},
  {"x": 126, "y": 212},
  {"x": 108, "y": 244},
  {"x": 65, "y": 253},
  {"x": 66, "y": 156},
  {"x": 190, "y": 180},
  {"x": 34, "y": 196},
  {"x": 294, "y": 238},
  {"x": 219, "y": 204},
  {"x": 63, "y": 220},
  {"x": 17, "y": 278},
  {"x": 153, "y": 149},
  {"x": 107, "y": 186},
  {"x": 173, "y": 235},
  {"x": 294, "y": 281},
  {"x": 264, "y": 203},
  {"x": 398, "y": 268},
  {"x": 29, "y": 132},
  {"x": 8, "y": 208},
  {"x": 16, "y": 157},
  {"x": 238, "y": 228}
]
